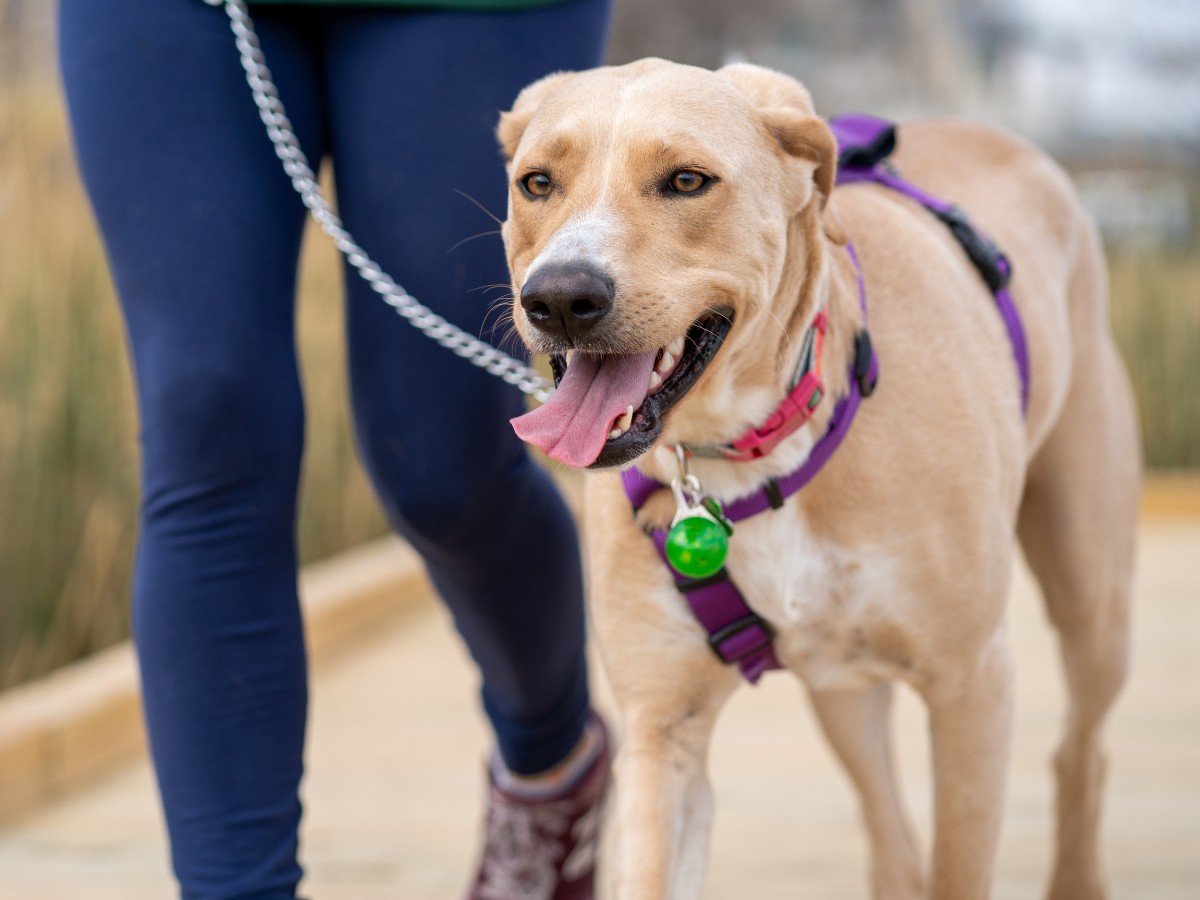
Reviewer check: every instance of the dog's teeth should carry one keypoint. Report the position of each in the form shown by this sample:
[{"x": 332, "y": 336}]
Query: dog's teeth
[
  {"x": 570, "y": 356},
  {"x": 655, "y": 380},
  {"x": 666, "y": 364},
  {"x": 675, "y": 348},
  {"x": 623, "y": 423}
]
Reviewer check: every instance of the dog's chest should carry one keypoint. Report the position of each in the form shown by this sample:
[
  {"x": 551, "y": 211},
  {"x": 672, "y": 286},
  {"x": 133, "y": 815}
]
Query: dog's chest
[{"x": 833, "y": 609}]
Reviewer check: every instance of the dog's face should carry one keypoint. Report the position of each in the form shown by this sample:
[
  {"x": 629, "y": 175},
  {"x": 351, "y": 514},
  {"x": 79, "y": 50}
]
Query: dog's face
[{"x": 654, "y": 213}]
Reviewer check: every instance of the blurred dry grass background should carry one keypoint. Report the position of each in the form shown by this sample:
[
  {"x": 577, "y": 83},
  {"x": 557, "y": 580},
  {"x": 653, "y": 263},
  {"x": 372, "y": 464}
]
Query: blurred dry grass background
[
  {"x": 1155, "y": 296},
  {"x": 68, "y": 449},
  {"x": 68, "y": 458}
]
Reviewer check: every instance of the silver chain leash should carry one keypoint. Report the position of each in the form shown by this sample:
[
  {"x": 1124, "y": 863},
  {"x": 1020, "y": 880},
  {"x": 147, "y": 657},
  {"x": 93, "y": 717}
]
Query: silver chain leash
[{"x": 295, "y": 164}]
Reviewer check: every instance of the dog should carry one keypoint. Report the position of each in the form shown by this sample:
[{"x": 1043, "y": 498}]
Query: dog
[{"x": 673, "y": 234}]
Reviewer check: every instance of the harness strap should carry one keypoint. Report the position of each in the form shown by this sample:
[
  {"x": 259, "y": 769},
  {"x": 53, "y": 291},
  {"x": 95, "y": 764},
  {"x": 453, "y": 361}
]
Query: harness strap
[
  {"x": 639, "y": 486},
  {"x": 736, "y": 633},
  {"x": 867, "y": 141}
]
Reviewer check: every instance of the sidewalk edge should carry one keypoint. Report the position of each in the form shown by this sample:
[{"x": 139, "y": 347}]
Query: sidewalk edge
[{"x": 76, "y": 722}]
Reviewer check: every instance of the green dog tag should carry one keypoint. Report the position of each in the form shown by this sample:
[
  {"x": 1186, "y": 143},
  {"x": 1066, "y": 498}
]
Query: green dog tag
[
  {"x": 698, "y": 540},
  {"x": 697, "y": 546}
]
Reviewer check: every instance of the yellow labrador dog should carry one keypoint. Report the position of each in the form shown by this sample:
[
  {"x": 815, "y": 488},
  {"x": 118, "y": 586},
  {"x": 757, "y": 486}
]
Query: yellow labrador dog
[{"x": 673, "y": 235}]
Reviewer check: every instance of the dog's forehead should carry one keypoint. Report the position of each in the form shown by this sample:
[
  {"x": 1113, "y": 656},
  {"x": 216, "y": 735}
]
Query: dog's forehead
[{"x": 636, "y": 106}]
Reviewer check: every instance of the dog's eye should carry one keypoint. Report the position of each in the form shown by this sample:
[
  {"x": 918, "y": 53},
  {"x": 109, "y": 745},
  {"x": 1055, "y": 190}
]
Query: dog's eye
[
  {"x": 537, "y": 184},
  {"x": 687, "y": 181}
]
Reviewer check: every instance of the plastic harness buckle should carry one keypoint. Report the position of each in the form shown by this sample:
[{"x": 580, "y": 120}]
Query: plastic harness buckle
[
  {"x": 734, "y": 628},
  {"x": 871, "y": 141},
  {"x": 989, "y": 259},
  {"x": 863, "y": 354}
]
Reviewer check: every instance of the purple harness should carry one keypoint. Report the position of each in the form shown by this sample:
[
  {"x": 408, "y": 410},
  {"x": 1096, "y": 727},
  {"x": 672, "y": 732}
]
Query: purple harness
[
  {"x": 865, "y": 143},
  {"x": 737, "y": 634}
]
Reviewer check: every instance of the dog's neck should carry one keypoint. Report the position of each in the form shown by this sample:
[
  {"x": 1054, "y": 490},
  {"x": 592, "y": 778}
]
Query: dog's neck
[
  {"x": 821, "y": 273},
  {"x": 824, "y": 277}
]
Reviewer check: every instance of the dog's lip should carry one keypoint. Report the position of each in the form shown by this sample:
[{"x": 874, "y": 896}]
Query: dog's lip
[{"x": 704, "y": 338}]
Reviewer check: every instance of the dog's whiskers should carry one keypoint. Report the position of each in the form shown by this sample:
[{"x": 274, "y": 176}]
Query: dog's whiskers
[
  {"x": 512, "y": 338},
  {"x": 785, "y": 347},
  {"x": 503, "y": 314},
  {"x": 473, "y": 237},
  {"x": 486, "y": 211},
  {"x": 503, "y": 304}
]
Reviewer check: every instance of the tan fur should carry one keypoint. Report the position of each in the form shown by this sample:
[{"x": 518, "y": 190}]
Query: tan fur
[{"x": 893, "y": 564}]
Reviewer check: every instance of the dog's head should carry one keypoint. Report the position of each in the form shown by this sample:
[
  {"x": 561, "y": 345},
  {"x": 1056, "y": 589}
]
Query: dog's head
[{"x": 657, "y": 228}]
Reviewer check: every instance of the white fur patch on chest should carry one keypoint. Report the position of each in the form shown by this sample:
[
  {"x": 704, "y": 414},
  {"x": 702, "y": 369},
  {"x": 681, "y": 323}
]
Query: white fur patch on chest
[{"x": 834, "y": 610}]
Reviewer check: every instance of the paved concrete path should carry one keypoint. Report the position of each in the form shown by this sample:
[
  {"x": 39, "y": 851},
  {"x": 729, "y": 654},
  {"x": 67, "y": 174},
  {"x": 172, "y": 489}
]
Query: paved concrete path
[{"x": 395, "y": 775}]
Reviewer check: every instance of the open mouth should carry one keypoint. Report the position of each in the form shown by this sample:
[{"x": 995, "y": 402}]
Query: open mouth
[{"x": 609, "y": 410}]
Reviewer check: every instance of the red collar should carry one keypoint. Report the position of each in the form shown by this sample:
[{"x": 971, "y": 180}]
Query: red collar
[{"x": 794, "y": 410}]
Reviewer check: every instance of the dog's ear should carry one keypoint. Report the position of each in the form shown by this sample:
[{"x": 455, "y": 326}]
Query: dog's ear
[
  {"x": 787, "y": 111},
  {"x": 514, "y": 122},
  {"x": 809, "y": 138}
]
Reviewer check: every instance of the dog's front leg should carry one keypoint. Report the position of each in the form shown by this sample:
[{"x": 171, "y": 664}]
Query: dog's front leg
[
  {"x": 971, "y": 721},
  {"x": 664, "y": 800},
  {"x": 670, "y": 688}
]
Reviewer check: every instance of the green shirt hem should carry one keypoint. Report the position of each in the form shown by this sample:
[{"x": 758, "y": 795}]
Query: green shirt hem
[{"x": 472, "y": 5}]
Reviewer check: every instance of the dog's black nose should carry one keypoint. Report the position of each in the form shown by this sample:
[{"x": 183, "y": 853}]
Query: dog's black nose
[{"x": 567, "y": 300}]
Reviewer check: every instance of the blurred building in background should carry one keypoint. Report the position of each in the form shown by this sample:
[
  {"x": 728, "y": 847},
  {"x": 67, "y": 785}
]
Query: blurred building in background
[{"x": 1111, "y": 88}]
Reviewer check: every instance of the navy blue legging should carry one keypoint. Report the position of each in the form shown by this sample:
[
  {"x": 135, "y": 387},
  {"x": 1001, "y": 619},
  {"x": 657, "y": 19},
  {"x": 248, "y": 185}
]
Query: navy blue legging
[{"x": 203, "y": 231}]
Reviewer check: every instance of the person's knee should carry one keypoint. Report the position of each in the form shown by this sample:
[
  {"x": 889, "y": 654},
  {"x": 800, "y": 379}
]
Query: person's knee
[{"x": 211, "y": 426}]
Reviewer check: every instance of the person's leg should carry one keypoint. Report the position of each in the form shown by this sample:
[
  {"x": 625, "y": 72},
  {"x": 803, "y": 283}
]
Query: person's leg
[
  {"x": 203, "y": 230},
  {"x": 414, "y": 100}
]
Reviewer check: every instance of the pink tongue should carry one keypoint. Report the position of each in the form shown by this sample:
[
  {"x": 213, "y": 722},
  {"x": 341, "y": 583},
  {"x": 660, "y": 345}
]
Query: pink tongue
[{"x": 574, "y": 423}]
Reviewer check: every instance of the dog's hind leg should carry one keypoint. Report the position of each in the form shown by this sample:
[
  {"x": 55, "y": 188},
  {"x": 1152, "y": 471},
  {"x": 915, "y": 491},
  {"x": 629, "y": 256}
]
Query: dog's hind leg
[
  {"x": 857, "y": 725},
  {"x": 1077, "y": 526}
]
